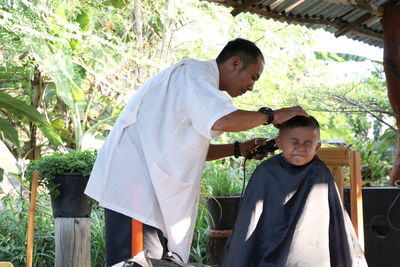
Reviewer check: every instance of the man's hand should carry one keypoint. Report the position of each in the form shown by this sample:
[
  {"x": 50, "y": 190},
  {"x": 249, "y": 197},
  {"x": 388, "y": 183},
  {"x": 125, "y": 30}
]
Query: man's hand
[
  {"x": 284, "y": 114},
  {"x": 249, "y": 145}
]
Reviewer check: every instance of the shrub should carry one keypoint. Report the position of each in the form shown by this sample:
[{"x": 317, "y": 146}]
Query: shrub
[
  {"x": 58, "y": 163},
  {"x": 222, "y": 180}
]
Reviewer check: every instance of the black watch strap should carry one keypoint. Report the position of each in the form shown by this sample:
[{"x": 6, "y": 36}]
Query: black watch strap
[
  {"x": 269, "y": 112},
  {"x": 236, "y": 149}
]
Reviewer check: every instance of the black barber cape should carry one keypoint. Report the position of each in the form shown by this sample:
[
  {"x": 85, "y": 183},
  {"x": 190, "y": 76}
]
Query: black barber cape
[{"x": 292, "y": 216}]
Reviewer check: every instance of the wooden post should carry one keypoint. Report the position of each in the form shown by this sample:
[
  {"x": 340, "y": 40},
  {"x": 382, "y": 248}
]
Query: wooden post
[
  {"x": 72, "y": 238},
  {"x": 356, "y": 204},
  {"x": 31, "y": 220},
  {"x": 215, "y": 244},
  {"x": 391, "y": 63}
]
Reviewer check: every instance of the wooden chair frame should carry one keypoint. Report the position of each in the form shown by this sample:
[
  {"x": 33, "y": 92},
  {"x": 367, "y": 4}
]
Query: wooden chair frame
[{"x": 336, "y": 159}]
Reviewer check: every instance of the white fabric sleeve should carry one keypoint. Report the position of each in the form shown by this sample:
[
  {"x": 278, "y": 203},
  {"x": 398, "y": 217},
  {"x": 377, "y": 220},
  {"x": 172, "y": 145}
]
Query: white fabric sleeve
[{"x": 206, "y": 104}]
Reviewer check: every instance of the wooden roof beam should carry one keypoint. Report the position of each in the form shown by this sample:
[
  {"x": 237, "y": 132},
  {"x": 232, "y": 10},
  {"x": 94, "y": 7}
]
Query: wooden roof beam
[
  {"x": 245, "y": 5},
  {"x": 353, "y": 24},
  {"x": 262, "y": 12},
  {"x": 360, "y": 4}
]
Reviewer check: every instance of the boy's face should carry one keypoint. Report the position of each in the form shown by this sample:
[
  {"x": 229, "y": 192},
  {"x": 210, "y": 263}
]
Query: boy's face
[{"x": 299, "y": 145}]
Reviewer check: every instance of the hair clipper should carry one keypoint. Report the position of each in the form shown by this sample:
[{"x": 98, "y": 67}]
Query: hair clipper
[{"x": 269, "y": 147}]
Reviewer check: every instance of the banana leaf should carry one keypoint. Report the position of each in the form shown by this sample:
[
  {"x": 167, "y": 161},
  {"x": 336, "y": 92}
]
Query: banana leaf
[
  {"x": 20, "y": 109},
  {"x": 9, "y": 132}
]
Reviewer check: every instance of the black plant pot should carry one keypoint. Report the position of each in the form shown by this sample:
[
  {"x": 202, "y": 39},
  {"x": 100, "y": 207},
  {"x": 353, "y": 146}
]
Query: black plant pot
[
  {"x": 222, "y": 212},
  {"x": 71, "y": 202}
]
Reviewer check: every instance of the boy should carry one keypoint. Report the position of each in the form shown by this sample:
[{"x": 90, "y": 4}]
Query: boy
[{"x": 291, "y": 214}]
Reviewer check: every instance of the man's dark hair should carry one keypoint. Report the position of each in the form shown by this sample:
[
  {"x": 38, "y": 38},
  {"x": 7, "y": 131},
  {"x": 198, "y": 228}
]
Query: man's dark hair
[
  {"x": 299, "y": 121},
  {"x": 245, "y": 49}
]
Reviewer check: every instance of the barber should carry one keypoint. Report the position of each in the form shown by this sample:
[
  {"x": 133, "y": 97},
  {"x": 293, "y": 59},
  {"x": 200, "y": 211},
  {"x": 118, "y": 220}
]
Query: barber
[{"x": 147, "y": 175}]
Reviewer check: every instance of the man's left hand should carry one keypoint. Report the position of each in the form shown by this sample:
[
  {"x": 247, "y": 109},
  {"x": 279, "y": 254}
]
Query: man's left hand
[{"x": 249, "y": 145}]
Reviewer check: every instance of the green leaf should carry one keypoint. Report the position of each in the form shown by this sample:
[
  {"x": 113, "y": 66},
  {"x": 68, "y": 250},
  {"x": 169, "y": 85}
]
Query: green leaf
[
  {"x": 341, "y": 57},
  {"x": 84, "y": 19},
  {"x": 117, "y": 3},
  {"x": 58, "y": 65},
  {"x": 1, "y": 174},
  {"x": 20, "y": 108},
  {"x": 9, "y": 131},
  {"x": 60, "y": 10}
]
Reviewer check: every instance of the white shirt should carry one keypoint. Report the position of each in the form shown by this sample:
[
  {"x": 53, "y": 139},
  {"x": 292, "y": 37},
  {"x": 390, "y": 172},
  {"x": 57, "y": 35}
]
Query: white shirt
[{"x": 150, "y": 166}]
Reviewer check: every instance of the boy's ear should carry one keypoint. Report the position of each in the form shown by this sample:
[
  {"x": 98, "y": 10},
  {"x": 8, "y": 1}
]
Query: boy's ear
[
  {"x": 278, "y": 142},
  {"x": 318, "y": 147}
]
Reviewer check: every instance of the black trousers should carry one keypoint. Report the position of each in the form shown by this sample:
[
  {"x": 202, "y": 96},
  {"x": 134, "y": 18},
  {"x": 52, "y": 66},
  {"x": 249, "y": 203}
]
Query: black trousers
[{"x": 118, "y": 228}]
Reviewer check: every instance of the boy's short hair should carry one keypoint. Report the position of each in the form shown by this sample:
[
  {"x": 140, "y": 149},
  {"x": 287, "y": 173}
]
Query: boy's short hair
[{"x": 299, "y": 121}]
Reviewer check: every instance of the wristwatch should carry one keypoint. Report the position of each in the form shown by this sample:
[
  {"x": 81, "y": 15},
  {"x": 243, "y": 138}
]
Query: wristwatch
[
  {"x": 236, "y": 149},
  {"x": 269, "y": 112}
]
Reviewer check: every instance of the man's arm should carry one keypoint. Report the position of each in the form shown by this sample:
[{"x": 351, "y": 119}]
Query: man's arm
[
  {"x": 227, "y": 150},
  {"x": 220, "y": 151},
  {"x": 241, "y": 120}
]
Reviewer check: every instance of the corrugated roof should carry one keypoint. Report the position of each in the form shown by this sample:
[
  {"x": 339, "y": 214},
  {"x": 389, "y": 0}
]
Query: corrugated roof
[{"x": 356, "y": 19}]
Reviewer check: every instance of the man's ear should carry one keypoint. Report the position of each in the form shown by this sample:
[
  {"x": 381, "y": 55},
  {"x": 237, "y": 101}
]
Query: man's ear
[{"x": 235, "y": 61}]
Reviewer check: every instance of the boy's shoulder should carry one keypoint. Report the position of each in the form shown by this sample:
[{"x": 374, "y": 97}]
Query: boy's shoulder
[
  {"x": 271, "y": 161},
  {"x": 277, "y": 162}
]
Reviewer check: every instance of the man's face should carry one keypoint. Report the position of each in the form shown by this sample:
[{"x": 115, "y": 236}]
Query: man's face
[
  {"x": 238, "y": 80},
  {"x": 299, "y": 145}
]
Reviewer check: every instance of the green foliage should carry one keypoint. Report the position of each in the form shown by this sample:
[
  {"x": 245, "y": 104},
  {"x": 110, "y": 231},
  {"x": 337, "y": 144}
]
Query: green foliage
[
  {"x": 9, "y": 132},
  {"x": 222, "y": 180},
  {"x": 377, "y": 157},
  {"x": 80, "y": 52},
  {"x": 198, "y": 249},
  {"x": 98, "y": 245},
  {"x": 58, "y": 163},
  {"x": 84, "y": 19},
  {"x": 340, "y": 57},
  {"x": 224, "y": 177},
  {"x": 22, "y": 110},
  {"x": 13, "y": 232}
]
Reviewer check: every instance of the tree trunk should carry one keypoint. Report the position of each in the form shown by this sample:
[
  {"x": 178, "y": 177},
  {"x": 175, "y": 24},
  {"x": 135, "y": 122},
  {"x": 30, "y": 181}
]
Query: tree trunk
[
  {"x": 391, "y": 63},
  {"x": 37, "y": 91},
  {"x": 138, "y": 24},
  {"x": 167, "y": 32},
  {"x": 138, "y": 30}
]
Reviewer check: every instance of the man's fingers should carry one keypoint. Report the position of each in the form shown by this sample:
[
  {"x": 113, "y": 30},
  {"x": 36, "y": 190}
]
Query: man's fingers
[
  {"x": 284, "y": 114},
  {"x": 260, "y": 141},
  {"x": 302, "y": 112}
]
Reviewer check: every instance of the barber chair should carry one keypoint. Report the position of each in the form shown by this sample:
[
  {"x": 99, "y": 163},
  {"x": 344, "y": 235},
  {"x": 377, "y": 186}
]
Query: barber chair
[{"x": 336, "y": 159}]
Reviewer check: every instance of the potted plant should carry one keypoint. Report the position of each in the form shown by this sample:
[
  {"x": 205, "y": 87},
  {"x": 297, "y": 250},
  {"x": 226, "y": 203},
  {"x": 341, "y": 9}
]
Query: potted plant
[
  {"x": 223, "y": 186},
  {"x": 66, "y": 176}
]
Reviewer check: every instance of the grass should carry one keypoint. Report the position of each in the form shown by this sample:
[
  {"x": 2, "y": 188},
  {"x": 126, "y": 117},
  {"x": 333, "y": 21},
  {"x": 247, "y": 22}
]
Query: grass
[{"x": 13, "y": 232}]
